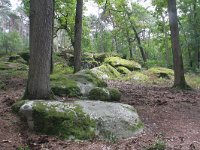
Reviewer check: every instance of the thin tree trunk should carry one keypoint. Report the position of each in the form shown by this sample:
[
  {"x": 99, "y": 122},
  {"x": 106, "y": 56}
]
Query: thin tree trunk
[
  {"x": 41, "y": 23},
  {"x": 137, "y": 38},
  {"x": 78, "y": 36},
  {"x": 179, "y": 80}
]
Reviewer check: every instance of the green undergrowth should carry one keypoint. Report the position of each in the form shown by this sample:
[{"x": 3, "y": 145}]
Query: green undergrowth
[
  {"x": 16, "y": 106},
  {"x": 193, "y": 80},
  {"x": 158, "y": 145},
  {"x": 71, "y": 123}
]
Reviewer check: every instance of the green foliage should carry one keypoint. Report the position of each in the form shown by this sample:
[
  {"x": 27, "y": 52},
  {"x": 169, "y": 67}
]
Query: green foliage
[
  {"x": 138, "y": 126},
  {"x": 159, "y": 145},
  {"x": 23, "y": 148},
  {"x": 11, "y": 42},
  {"x": 72, "y": 122}
]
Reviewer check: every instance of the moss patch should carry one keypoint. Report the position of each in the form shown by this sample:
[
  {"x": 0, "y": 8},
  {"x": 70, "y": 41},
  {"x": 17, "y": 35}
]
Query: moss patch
[
  {"x": 109, "y": 70},
  {"x": 66, "y": 121},
  {"x": 115, "y": 94},
  {"x": 160, "y": 72},
  {"x": 136, "y": 76},
  {"x": 88, "y": 76},
  {"x": 99, "y": 94},
  {"x": 16, "y": 106},
  {"x": 138, "y": 126},
  {"x": 123, "y": 70},
  {"x": 117, "y": 61},
  {"x": 61, "y": 85},
  {"x": 100, "y": 57}
]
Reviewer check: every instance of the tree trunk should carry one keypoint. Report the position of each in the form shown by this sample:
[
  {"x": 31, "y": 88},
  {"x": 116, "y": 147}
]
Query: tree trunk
[
  {"x": 78, "y": 36},
  {"x": 41, "y": 23},
  {"x": 137, "y": 38},
  {"x": 179, "y": 78}
]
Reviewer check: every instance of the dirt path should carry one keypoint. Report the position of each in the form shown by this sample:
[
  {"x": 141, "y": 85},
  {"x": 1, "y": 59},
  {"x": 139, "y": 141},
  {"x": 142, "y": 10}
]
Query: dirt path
[{"x": 169, "y": 115}]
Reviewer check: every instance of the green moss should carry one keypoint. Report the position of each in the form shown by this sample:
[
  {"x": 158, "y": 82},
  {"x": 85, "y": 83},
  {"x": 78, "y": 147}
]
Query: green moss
[
  {"x": 63, "y": 86},
  {"x": 99, "y": 94},
  {"x": 60, "y": 68},
  {"x": 109, "y": 70},
  {"x": 2, "y": 85},
  {"x": 67, "y": 123},
  {"x": 123, "y": 70},
  {"x": 16, "y": 106},
  {"x": 85, "y": 76},
  {"x": 25, "y": 56},
  {"x": 160, "y": 72},
  {"x": 158, "y": 145},
  {"x": 117, "y": 61},
  {"x": 115, "y": 94},
  {"x": 136, "y": 76},
  {"x": 138, "y": 126},
  {"x": 100, "y": 57}
]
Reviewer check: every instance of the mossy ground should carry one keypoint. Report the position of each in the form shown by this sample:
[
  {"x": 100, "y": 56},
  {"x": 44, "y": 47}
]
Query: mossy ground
[{"x": 71, "y": 123}]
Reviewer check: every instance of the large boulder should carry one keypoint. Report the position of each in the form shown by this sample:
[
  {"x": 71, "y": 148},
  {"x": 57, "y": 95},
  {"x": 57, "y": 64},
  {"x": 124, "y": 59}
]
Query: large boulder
[
  {"x": 82, "y": 119},
  {"x": 117, "y": 61}
]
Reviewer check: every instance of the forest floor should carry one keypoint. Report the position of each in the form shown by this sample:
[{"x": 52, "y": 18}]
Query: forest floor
[{"x": 169, "y": 115}]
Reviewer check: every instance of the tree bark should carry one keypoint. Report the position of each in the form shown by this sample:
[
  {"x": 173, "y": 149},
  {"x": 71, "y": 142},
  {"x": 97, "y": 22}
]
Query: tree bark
[
  {"x": 179, "y": 78},
  {"x": 41, "y": 23},
  {"x": 78, "y": 36}
]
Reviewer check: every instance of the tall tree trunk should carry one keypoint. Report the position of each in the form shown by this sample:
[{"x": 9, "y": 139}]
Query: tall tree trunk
[
  {"x": 41, "y": 23},
  {"x": 78, "y": 36},
  {"x": 179, "y": 78}
]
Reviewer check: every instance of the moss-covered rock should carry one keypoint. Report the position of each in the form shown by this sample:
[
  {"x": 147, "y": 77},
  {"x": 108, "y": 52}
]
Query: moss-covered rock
[
  {"x": 123, "y": 70},
  {"x": 61, "y": 85},
  {"x": 67, "y": 121},
  {"x": 99, "y": 94},
  {"x": 136, "y": 76},
  {"x": 106, "y": 71},
  {"x": 115, "y": 94},
  {"x": 117, "y": 61},
  {"x": 12, "y": 66},
  {"x": 25, "y": 56},
  {"x": 100, "y": 57},
  {"x": 160, "y": 72},
  {"x": 82, "y": 119},
  {"x": 89, "y": 64},
  {"x": 74, "y": 85},
  {"x": 17, "y": 105},
  {"x": 105, "y": 94}
]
